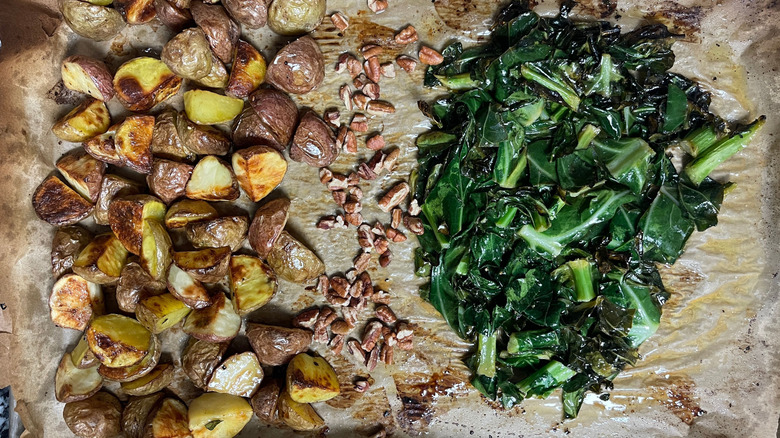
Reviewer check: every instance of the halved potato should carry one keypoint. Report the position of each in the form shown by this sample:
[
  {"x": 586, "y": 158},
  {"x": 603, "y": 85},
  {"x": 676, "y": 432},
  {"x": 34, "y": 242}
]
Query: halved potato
[
  {"x": 58, "y": 204},
  {"x": 142, "y": 83},
  {"x": 160, "y": 312},
  {"x": 248, "y": 70},
  {"x": 215, "y": 415},
  {"x": 252, "y": 283},
  {"x": 102, "y": 260},
  {"x": 157, "y": 379},
  {"x": 92, "y": 20},
  {"x": 201, "y": 139},
  {"x": 239, "y": 375},
  {"x": 188, "y": 211},
  {"x": 166, "y": 141},
  {"x": 136, "y": 11},
  {"x": 265, "y": 400},
  {"x": 188, "y": 54},
  {"x": 113, "y": 187},
  {"x": 74, "y": 301},
  {"x": 168, "y": 420},
  {"x": 74, "y": 384},
  {"x": 212, "y": 180},
  {"x": 89, "y": 76},
  {"x": 259, "y": 170},
  {"x": 298, "y": 416},
  {"x": 135, "y": 284},
  {"x": 87, "y": 120},
  {"x": 277, "y": 113},
  {"x": 95, "y": 417},
  {"x": 82, "y": 356},
  {"x": 218, "y": 76},
  {"x": 133, "y": 141},
  {"x": 156, "y": 249},
  {"x": 138, "y": 370},
  {"x": 208, "y": 265},
  {"x": 187, "y": 289},
  {"x": 103, "y": 147},
  {"x": 118, "y": 341},
  {"x": 267, "y": 225},
  {"x": 216, "y": 323},
  {"x": 136, "y": 412},
  {"x": 127, "y": 216},
  {"x": 83, "y": 173},
  {"x": 172, "y": 14},
  {"x": 276, "y": 345},
  {"x": 222, "y": 231},
  {"x": 208, "y": 108},
  {"x": 221, "y": 31},
  {"x": 293, "y": 261},
  {"x": 168, "y": 179},
  {"x": 311, "y": 379},
  {"x": 67, "y": 244},
  {"x": 199, "y": 360}
]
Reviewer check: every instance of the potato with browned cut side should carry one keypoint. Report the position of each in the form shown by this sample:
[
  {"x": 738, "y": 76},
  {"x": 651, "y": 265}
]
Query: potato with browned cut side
[
  {"x": 248, "y": 70},
  {"x": 293, "y": 261},
  {"x": 83, "y": 173},
  {"x": 135, "y": 284},
  {"x": 66, "y": 246},
  {"x": 215, "y": 415},
  {"x": 277, "y": 114},
  {"x": 135, "y": 413},
  {"x": 137, "y": 370},
  {"x": 208, "y": 265},
  {"x": 103, "y": 147},
  {"x": 133, "y": 141},
  {"x": 141, "y": 83},
  {"x": 87, "y": 120},
  {"x": 102, "y": 260},
  {"x": 265, "y": 400},
  {"x": 200, "y": 358},
  {"x": 222, "y": 231},
  {"x": 95, "y": 417},
  {"x": 136, "y": 11},
  {"x": 188, "y": 54},
  {"x": 118, "y": 341},
  {"x": 156, "y": 249},
  {"x": 298, "y": 67},
  {"x": 201, "y": 139},
  {"x": 239, "y": 375},
  {"x": 127, "y": 214},
  {"x": 188, "y": 211},
  {"x": 166, "y": 141},
  {"x": 250, "y": 13},
  {"x": 113, "y": 187},
  {"x": 298, "y": 416},
  {"x": 277, "y": 345},
  {"x": 74, "y": 301},
  {"x": 212, "y": 180},
  {"x": 267, "y": 225},
  {"x": 252, "y": 283},
  {"x": 72, "y": 383},
  {"x": 89, "y": 76},
  {"x": 187, "y": 289},
  {"x": 218, "y": 77},
  {"x": 221, "y": 31},
  {"x": 157, "y": 379},
  {"x": 314, "y": 142},
  {"x": 208, "y": 108},
  {"x": 160, "y": 312},
  {"x": 311, "y": 379},
  {"x": 216, "y": 323},
  {"x": 168, "y": 179},
  {"x": 92, "y": 21},
  {"x": 168, "y": 419},
  {"x": 259, "y": 170},
  {"x": 58, "y": 204},
  {"x": 82, "y": 356}
]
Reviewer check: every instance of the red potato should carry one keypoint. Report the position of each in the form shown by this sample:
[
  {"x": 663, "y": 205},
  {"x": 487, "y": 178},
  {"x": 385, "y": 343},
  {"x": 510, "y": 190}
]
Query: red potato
[
  {"x": 267, "y": 225},
  {"x": 103, "y": 147},
  {"x": 168, "y": 179},
  {"x": 83, "y": 172},
  {"x": 58, "y": 204},
  {"x": 221, "y": 31},
  {"x": 298, "y": 68},
  {"x": 277, "y": 113},
  {"x": 251, "y": 13},
  {"x": 171, "y": 15},
  {"x": 136, "y": 11},
  {"x": 259, "y": 170},
  {"x": 248, "y": 70},
  {"x": 113, "y": 187},
  {"x": 89, "y": 76},
  {"x": 314, "y": 142}
]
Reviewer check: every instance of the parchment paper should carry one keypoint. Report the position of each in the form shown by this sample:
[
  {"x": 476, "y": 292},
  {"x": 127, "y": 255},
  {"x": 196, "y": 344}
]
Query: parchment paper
[{"x": 711, "y": 370}]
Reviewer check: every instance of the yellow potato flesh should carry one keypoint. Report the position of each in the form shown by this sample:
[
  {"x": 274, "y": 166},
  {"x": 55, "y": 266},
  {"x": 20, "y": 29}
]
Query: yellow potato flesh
[
  {"x": 252, "y": 283},
  {"x": 187, "y": 211},
  {"x": 155, "y": 249},
  {"x": 259, "y": 170},
  {"x": 239, "y": 375},
  {"x": 299, "y": 416},
  {"x": 161, "y": 312},
  {"x": 311, "y": 379},
  {"x": 87, "y": 120},
  {"x": 214, "y": 415},
  {"x": 118, "y": 341},
  {"x": 207, "y": 108}
]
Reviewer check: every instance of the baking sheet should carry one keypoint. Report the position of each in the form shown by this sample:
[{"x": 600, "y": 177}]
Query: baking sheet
[{"x": 711, "y": 370}]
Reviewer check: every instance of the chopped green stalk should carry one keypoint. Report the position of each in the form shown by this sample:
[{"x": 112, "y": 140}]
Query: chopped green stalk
[
  {"x": 506, "y": 218},
  {"x": 706, "y": 162},
  {"x": 486, "y": 355},
  {"x": 626, "y": 160},
  {"x": 443, "y": 240},
  {"x": 545, "y": 78},
  {"x": 698, "y": 141},
  {"x": 511, "y": 164},
  {"x": 586, "y": 136},
  {"x": 463, "y": 265},
  {"x": 544, "y": 380},
  {"x": 602, "y": 82},
  {"x": 527, "y": 114},
  {"x": 583, "y": 279},
  {"x": 532, "y": 340},
  {"x": 458, "y": 82}
]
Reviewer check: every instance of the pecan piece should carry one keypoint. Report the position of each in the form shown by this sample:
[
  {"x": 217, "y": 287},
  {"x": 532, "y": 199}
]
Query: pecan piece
[
  {"x": 391, "y": 159},
  {"x": 371, "y": 334},
  {"x": 406, "y": 62},
  {"x": 337, "y": 300},
  {"x": 395, "y": 236},
  {"x": 405, "y": 335},
  {"x": 327, "y": 222},
  {"x": 414, "y": 224},
  {"x": 332, "y": 116},
  {"x": 340, "y": 21},
  {"x": 337, "y": 344},
  {"x": 353, "y": 66},
  {"x": 345, "y": 94},
  {"x": 377, "y": 162},
  {"x": 339, "y": 197},
  {"x": 354, "y": 219},
  {"x": 340, "y": 327},
  {"x": 359, "y": 123},
  {"x": 387, "y": 69},
  {"x": 361, "y": 261},
  {"x": 414, "y": 208},
  {"x": 362, "y": 386},
  {"x": 325, "y": 318},
  {"x": 380, "y": 297},
  {"x": 386, "y": 355},
  {"x": 375, "y": 142},
  {"x": 368, "y": 287},
  {"x": 394, "y": 196},
  {"x": 373, "y": 69},
  {"x": 397, "y": 217},
  {"x": 385, "y": 258},
  {"x": 323, "y": 284},
  {"x": 378, "y": 229},
  {"x": 352, "y": 205},
  {"x": 407, "y": 35},
  {"x": 379, "y": 107},
  {"x": 360, "y": 81},
  {"x": 350, "y": 315},
  {"x": 354, "y": 348},
  {"x": 377, "y": 6},
  {"x": 338, "y": 182},
  {"x": 371, "y": 90},
  {"x": 365, "y": 172},
  {"x": 307, "y": 318},
  {"x": 373, "y": 359},
  {"x": 359, "y": 101},
  {"x": 429, "y": 56},
  {"x": 340, "y": 285},
  {"x": 385, "y": 314},
  {"x": 356, "y": 192},
  {"x": 356, "y": 288},
  {"x": 370, "y": 50},
  {"x": 326, "y": 175},
  {"x": 381, "y": 244},
  {"x": 365, "y": 237}
]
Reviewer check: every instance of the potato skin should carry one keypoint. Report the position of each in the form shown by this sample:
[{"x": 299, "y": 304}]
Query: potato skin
[
  {"x": 136, "y": 11},
  {"x": 208, "y": 265},
  {"x": 218, "y": 76},
  {"x": 66, "y": 246},
  {"x": 277, "y": 114},
  {"x": 140, "y": 369},
  {"x": 96, "y": 71},
  {"x": 267, "y": 225},
  {"x": 251, "y": 13},
  {"x": 295, "y": 17},
  {"x": 221, "y": 31},
  {"x": 249, "y": 130},
  {"x": 314, "y": 142},
  {"x": 201, "y": 139},
  {"x": 298, "y": 68},
  {"x": 265, "y": 399},
  {"x": 135, "y": 413},
  {"x": 92, "y": 21},
  {"x": 96, "y": 417},
  {"x": 83, "y": 172},
  {"x": 58, "y": 204},
  {"x": 188, "y": 54},
  {"x": 293, "y": 261},
  {"x": 168, "y": 179},
  {"x": 166, "y": 141},
  {"x": 200, "y": 358},
  {"x": 113, "y": 187},
  {"x": 277, "y": 345},
  {"x": 224, "y": 231},
  {"x": 174, "y": 17},
  {"x": 134, "y": 285}
]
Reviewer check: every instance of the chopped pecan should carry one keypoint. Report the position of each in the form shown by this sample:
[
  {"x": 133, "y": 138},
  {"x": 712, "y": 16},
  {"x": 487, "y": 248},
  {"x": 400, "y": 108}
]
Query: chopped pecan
[
  {"x": 381, "y": 244},
  {"x": 377, "y": 162},
  {"x": 332, "y": 116},
  {"x": 405, "y": 62},
  {"x": 414, "y": 224},
  {"x": 326, "y": 316},
  {"x": 362, "y": 386},
  {"x": 365, "y": 237},
  {"x": 339, "y": 197},
  {"x": 356, "y": 192},
  {"x": 351, "y": 275},
  {"x": 341, "y": 64},
  {"x": 385, "y": 258},
  {"x": 379, "y": 107},
  {"x": 350, "y": 315},
  {"x": 380, "y": 297},
  {"x": 345, "y": 94},
  {"x": 387, "y": 69},
  {"x": 307, "y": 318},
  {"x": 371, "y": 334},
  {"x": 414, "y": 208},
  {"x": 373, "y": 359},
  {"x": 356, "y": 288},
  {"x": 370, "y": 50},
  {"x": 323, "y": 284},
  {"x": 340, "y": 327},
  {"x": 368, "y": 287},
  {"x": 377, "y": 6},
  {"x": 326, "y": 175},
  {"x": 341, "y": 221},
  {"x": 327, "y": 222},
  {"x": 340, "y": 21},
  {"x": 378, "y": 229},
  {"x": 338, "y": 182},
  {"x": 390, "y": 339},
  {"x": 337, "y": 300},
  {"x": 353, "y": 179},
  {"x": 358, "y": 303},
  {"x": 337, "y": 343},
  {"x": 359, "y": 123},
  {"x": 371, "y": 90},
  {"x": 354, "y": 348},
  {"x": 407, "y": 35},
  {"x": 375, "y": 142},
  {"x": 341, "y": 136},
  {"x": 405, "y": 335},
  {"x": 340, "y": 285},
  {"x": 353, "y": 66},
  {"x": 350, "y": 143},
  {"x": 365, "y": 172},
  {"x": 391, "y": 158},
  {"x": 395, "y": 236},
  {"x": 373, "y": 69},
  {"x": 386, "y": 355},
  {"x": 385, "y": 314},
  {"x": 354, "y": 219},
  {"x": 360, "y": 81},
  {"x": 352, "y": 205},
  {"x": 361, "y": 261},
  {"x": 394, "y": 196},
  {"x": 360, "y": 100},
  {"x": 398, "y": 216},
  {"x": 429, "y": 56}
]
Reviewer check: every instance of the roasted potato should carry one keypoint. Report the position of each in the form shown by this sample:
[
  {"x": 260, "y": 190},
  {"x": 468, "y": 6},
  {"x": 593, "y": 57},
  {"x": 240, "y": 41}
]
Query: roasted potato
[
  {"x": 187, "y": 289},
  {"x": 251, "y": 13},
  {"x": 208, "y": 108},
  {"x": 92, "y": 21},
  {"x": 160, "y": 312},
  {"x": 102, "y": 260},
  {"x": 95, "y": 417},
  {"x": 135, "y": 284},
  {"x": 156, "y": 250},
  {"x": 87, "y": 120},
  {"x": 277, "y": 115},
  {"x": 135, "y": 371},
  {"x": 212, "y": 180},
  {"x": 133, "y": 141},
  {"x": 89, "y": 76},
  {"x": 221, "y": 31},
  {"x": 216, "y": 323},
  {"x": 74, "y": 301},
  {"x": 113, "y": 187},
  {"x": 208, "y": 265},
  {"x": 295, "y": 17},
  {"x": 82, "y": 356},
  {"x": 298, "y": 416},
  {"x": 259, "y": 170},
  {"x": 277, "y": 345},
  {"x": 118, "y": 341},
  {"x": 103, "y": 147},
  {"x": 83, "y": 173},
  {"x": 248, "y": 70},
  {"x": 141, "y": 83},
  {"x": 157, "y": 379},
  {"x": 201, "y": 139},
  {"x": 293, "y": 261},
  {"x": 265, "y": 399},
  {"x": 218, "y": 77},
  {"x": 188, "y": 54},
  {"x": 248, "y": 130},
  {"x": 267, "y": 225},
  {"x": 239, "y": 375},
  {"x": 252, "y": 283},
  {"x": 168, "y": 420},
  {"x": 223, "y": 231},
  {"x": 218, "y": 415},
  {"x": 188, "y": 211},
  {"x": 73, "y": 384},
  {"x": 166, "y": 141},
  {"x": 314, "y": 142},
  {"x": 311, "y": 379},
  {"x": 135, "y": 413},
  {"x": 174, "y": 17},
  {"x": 58, "y": 204},
  {"x": 298, "y": 67},
  {"x": 136, "y": 11},
  {"x": 66, "y": 246},
  {"x": 168, "y": 179},
  {"x": 199, "y": 360},
  {"x": 127, "y": 216}
]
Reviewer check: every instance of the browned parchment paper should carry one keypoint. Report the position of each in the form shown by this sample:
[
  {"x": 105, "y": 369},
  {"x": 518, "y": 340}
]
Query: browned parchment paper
[{"x": 715, "y": 355}]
